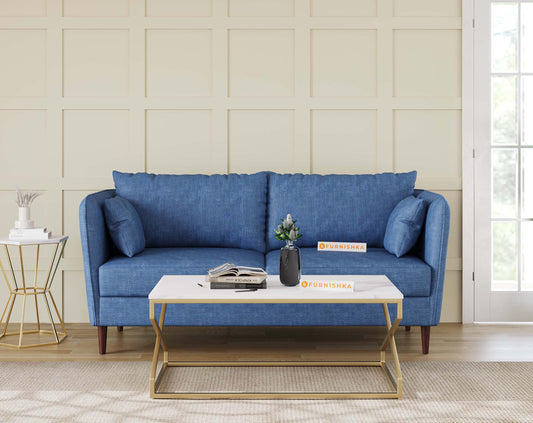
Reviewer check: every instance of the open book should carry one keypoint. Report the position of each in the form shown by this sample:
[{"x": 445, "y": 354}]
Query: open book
[{"x": 229, "y": 272}]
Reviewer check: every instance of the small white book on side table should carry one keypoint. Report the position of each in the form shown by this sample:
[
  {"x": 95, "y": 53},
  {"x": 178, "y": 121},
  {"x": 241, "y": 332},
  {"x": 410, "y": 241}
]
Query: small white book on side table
[{"x": 29, "y": 234}]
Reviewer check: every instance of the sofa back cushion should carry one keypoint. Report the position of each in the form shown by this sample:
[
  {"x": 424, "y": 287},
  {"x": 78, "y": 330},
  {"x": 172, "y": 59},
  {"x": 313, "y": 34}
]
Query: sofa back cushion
[
  {"x": 198, "y": 210},
  {"x": 343, "y": 208}
]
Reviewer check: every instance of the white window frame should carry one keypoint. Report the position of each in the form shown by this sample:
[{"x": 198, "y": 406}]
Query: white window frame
[
  {"x": 468, "y": 159},
  {"x": 477, "y": 151}
]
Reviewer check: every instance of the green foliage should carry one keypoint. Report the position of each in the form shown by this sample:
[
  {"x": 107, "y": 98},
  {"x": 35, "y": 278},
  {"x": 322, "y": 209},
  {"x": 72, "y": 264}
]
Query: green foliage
[{"x": 287, "y": 230}]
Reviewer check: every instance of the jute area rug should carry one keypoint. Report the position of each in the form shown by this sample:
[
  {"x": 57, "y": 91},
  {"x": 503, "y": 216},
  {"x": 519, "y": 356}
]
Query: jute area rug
[{"x": 118, "y": 392}]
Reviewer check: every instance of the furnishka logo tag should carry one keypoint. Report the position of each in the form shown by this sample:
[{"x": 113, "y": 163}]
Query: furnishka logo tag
[
  {"x": 349, "y": 247},
  {"x": 309, "y": 284}
]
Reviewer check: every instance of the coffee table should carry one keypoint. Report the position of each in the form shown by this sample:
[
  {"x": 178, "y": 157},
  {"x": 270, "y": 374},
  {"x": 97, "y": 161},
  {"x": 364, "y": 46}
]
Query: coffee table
[{"x": 368, "y": 289}]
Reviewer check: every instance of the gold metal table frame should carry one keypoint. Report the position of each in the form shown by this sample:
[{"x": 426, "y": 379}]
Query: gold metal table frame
[
  {"x": 35, "y": 289},
  {"x": 396, "y": 383}
]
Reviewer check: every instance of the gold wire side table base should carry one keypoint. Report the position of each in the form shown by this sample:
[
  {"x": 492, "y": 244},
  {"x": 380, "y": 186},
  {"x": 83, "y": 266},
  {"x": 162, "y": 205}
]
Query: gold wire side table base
[
  {"x": 61, "y": 336},
  {"x": 396, "y": 383},
  {"x": 16, "y": 290}
]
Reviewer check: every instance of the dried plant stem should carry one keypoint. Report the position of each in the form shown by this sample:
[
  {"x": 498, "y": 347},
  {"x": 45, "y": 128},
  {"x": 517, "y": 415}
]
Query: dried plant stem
[{"x": 25, "y": 198}]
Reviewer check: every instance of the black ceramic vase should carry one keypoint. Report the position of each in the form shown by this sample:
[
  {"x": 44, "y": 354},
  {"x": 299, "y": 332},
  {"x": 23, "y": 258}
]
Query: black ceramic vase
[{"x": 289, "y": 265}]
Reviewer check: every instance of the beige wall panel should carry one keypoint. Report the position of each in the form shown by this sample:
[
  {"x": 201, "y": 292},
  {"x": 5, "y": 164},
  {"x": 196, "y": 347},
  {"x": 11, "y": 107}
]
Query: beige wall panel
[
  {"x": 96, "y": 142},
  {"x": 23, "y": 146},
  {"x": 9, "y": 213},
  {"x": 75, "y": 297},
  {"x": 95, "y": 62},
  {"x": 270, "y": 8},
  {"x": 261, "y": 140},
  {"x": 343, "y": 141},
  {"x": 427, "y": 7},
  {"x": 185, "y": 8},
  {"x": 179, "y": 62},
  {"x": 428, "y": 141},
  {"x": 94, "y": 8},
  {"x": 454, "y": 198},
  {"x": 452, "y": 297},
  {"x": 343, "y": 63},
  {"x": 23, "y": 62},
  {"x": 427, "y": 63},
  {"x": 179, "y": 141},
  {"x": 22, "y": 8},
  {"x": 71, "y": 221},
  {"x": 342, "y": 8},
  {"x": 261, "y": 63}
]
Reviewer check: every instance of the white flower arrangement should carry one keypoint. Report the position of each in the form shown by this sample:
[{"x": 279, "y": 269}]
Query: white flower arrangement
[{"x": 287, "y": 230}]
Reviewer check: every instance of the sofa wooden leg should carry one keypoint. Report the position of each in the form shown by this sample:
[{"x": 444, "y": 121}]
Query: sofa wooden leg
[
  {"x": 102, "y": 339},
  {"x": 408, "y": 328},
  {"x": 424, "y": 331},
  {"x": 120, "y": 328}
]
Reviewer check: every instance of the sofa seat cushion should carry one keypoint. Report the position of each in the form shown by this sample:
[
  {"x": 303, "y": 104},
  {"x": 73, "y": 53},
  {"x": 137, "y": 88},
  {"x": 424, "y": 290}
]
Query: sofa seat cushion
[
  {"x": 409, "y": 273},
  {"x": 136, "y": 276}
]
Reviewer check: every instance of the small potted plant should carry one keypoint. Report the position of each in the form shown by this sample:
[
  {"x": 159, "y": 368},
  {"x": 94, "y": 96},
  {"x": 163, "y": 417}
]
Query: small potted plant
[
  {"x": 289, "y": 260},
  {"x": 24, "y": 200}
]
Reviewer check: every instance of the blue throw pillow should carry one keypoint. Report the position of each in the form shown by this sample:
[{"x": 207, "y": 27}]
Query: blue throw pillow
[
  {"x": 124, "y": 225},
  {"x": 404, "y": 225}
]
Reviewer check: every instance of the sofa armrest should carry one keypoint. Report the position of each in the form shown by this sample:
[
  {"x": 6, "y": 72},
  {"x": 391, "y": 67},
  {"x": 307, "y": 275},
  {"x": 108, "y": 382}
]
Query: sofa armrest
[
  {"x": 97, "y": 246},
  {"x": 433, "y": 246}
]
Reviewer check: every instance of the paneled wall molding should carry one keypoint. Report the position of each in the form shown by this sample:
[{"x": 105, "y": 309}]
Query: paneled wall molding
[{"x": 217, "y": 86}]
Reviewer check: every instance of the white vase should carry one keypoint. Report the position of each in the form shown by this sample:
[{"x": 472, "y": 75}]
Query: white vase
[{"x": 24, "y": 221}]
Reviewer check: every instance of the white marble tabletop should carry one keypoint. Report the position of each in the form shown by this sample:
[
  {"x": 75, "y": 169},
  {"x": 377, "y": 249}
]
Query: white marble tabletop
[
  {"x": 53, "y": 240},
  {"x": 187, "y": 287}
]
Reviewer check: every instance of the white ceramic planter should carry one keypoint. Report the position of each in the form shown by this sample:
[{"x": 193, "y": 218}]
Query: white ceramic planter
[{"x": 24, "y": 221}]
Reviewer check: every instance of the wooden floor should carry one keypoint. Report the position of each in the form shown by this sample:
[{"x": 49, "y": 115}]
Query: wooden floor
[{"x": 450, "y": 342}]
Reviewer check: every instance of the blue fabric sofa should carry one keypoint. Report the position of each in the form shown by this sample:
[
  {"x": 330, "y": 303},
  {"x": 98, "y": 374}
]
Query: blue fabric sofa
[{"x": 194, "y": 222}]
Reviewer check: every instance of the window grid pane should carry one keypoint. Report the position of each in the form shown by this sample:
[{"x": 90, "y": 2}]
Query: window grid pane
[
  {"x": 504, "y": 256},
  {"x": 504, "y": 117},
  {"x": 504, "y": 183},
  {"x": 504, "y": 28}
]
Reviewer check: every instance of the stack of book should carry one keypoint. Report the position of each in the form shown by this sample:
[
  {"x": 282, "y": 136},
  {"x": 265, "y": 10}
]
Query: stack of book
[
  {"x": 29, "y": 234},
  {"x": 230, "y": 276}
]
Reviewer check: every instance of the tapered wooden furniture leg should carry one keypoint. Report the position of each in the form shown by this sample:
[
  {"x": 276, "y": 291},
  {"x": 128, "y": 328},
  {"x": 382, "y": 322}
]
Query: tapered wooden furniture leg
[
  {"x": 120, "y": 328},
  {"x": 408, "y": 328},
  {"x": 102, "y": 339},
  {"x": 424, "y": 330}
]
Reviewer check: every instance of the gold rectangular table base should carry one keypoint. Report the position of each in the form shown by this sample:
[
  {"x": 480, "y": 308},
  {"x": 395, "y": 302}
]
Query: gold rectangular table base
[
  {"x": 276, "y": 395},
  {"x": 156, "y": 377}
]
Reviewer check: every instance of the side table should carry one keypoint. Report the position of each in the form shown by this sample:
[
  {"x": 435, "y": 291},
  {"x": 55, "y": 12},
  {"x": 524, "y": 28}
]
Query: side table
[{"x": 22, "y": 288}]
